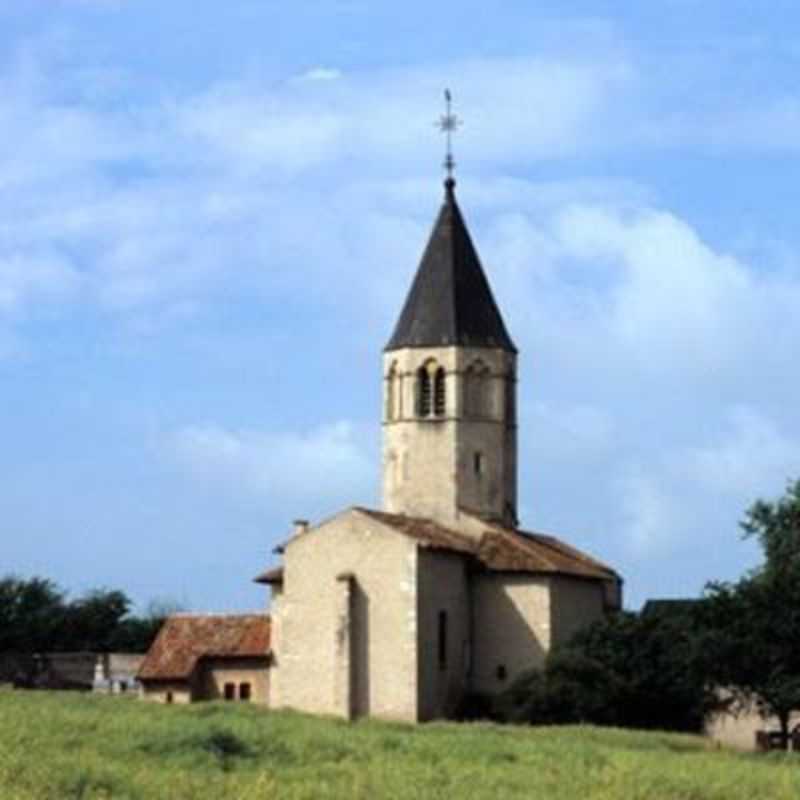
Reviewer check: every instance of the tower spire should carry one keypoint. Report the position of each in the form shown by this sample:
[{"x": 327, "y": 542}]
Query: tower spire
[{"x": 449, "y": 123}]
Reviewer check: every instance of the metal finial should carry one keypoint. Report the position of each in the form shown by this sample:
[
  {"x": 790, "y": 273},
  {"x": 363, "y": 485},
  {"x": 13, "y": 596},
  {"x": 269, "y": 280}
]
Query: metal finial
[{"x": 449, "y": 123}]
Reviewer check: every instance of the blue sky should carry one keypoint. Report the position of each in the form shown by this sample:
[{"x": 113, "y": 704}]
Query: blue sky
[{"x": 210, "y": 215}]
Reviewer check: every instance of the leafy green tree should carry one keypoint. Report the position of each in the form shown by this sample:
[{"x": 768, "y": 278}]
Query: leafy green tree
[
  {"x": 36, "y": 617},
  {"x": 630, "y": 670},
  {"x": 753, "y": 625},
  {"x": 91, "y": 622},
  {"x": 31, "y": 612}
]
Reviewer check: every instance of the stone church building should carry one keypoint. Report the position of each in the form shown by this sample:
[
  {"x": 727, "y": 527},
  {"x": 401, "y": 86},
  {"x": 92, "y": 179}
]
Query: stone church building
[{"x": 403, "y": 611}]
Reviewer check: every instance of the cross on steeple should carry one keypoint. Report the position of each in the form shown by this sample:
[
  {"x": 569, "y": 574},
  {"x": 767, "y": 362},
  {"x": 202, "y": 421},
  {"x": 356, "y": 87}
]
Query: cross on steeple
[{"x": 449, "y": 123}]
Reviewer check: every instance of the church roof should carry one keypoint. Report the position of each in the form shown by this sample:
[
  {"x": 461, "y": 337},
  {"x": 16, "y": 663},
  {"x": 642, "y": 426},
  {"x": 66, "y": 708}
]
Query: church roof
[
  {"x": 501, "y": 549},
  {"x": 425, "y": 531},
  {"x": 184, "y": 639},
  {"x": 450, "y": 301}
]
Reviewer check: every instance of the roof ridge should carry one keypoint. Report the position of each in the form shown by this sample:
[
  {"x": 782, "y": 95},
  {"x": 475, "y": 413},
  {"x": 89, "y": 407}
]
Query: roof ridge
[{"x": 555, "y": 543}]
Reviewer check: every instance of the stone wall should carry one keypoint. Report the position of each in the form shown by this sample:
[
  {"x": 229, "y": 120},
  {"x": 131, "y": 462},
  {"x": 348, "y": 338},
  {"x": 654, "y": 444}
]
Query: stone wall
[
  {"x": 178, "y": 692},
  {"x": 465, "y": 458},
  {"x": 574, "y": 603},
  {"x": 215, "y": 673},
  {"x": 349, "y": 594},
  {"x": 443, "y": 590},
  {"x": 512, "y": 627}
]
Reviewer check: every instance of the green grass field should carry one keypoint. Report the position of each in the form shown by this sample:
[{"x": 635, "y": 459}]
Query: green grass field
[{"x": 57, "y": 745}]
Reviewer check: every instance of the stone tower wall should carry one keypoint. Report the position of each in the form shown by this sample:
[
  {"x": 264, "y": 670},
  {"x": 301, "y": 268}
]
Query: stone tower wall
[{"x": 464, "y": 458}]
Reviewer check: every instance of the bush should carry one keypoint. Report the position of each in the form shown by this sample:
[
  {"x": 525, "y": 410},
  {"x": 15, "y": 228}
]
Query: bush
[{"x": 627, "y": 671}]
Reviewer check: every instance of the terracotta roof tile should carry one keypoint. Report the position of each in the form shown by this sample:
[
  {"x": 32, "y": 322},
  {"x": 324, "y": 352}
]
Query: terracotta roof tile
[
  {"x": 501, "y": 549},
  {"x": 186, "y": 638},
  {"x": 521, "y": 551},
  {"x": 426, "y": 531}
]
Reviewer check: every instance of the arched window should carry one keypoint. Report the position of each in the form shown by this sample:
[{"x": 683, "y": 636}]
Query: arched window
[
  {"x": 423, "y": 392},
  {"x": 439, "y": 396}
]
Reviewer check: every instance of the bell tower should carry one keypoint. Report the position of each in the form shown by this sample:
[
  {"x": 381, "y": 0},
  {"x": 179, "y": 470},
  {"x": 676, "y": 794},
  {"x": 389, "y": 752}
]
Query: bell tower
[{"x": 449, "y": 371}]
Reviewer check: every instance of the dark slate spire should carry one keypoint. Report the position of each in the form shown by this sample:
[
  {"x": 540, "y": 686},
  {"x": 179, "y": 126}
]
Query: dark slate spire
[{"x": 450, "y": 302}]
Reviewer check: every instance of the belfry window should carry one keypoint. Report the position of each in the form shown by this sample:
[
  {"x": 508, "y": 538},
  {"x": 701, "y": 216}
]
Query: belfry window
[
  {"x": 423, "y": 392},
  {"x": 439, "y": 396},
  {"x": 431, "y": 390}
]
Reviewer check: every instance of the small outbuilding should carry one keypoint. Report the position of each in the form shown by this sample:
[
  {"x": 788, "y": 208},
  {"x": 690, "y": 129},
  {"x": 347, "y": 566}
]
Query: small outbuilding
[{"x": 208, "y": 657}]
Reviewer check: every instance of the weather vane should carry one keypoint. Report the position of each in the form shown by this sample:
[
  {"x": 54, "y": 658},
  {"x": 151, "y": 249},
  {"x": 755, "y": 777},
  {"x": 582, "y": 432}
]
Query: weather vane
[{"x": 449, "y": 123}]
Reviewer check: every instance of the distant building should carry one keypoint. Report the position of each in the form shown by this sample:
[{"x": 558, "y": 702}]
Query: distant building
[
  {"x": 208, "y": 657},
  {"x": 114, "y": 673}
]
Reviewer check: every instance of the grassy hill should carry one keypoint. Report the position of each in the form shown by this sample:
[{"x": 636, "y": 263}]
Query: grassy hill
[{"x": 61, "y": 746}]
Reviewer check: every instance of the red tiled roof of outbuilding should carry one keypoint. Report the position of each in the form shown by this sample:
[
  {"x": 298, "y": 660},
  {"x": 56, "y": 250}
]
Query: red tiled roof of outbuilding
[{"x": 186, "y": 638}]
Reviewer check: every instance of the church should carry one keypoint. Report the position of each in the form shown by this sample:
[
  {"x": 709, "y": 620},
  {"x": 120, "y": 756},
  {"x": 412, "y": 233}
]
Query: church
[{"x": 404, "y": 611}]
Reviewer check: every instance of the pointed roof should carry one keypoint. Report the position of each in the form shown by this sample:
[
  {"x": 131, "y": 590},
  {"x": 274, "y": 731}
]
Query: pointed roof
[{"x": 450, "y": 302}]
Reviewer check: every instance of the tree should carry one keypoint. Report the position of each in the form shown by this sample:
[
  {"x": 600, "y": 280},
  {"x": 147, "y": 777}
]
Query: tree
[
  {"x": 753, "y": 626},
  {"x": 631, "y": 670},
  {"x": 30, "y": 613},
  {"x": 91, "y": 621},
  {"x": 36, "y": 618}
]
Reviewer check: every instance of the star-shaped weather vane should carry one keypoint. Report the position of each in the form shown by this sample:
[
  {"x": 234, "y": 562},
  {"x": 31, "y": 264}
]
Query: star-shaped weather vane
[{"x": 449, "y": 123}]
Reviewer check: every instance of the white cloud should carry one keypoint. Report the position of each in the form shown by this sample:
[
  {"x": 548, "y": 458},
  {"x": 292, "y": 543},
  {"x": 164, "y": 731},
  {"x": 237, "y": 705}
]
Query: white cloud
[
  {"x": 321, "y": 74},
  {"x": 652, "y": 522},
  {"x": 302, "y": 470},
  {"x": 34, "y": 276},
  {"x": 749, "y": 457},
  {"x": 671, "y": 296}
]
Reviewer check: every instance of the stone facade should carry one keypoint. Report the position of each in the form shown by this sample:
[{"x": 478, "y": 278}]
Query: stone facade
[
  {"x": 464, "y": 458},
  {"x": 345, "y": 623},
  {"x": 740, "y": 730}
]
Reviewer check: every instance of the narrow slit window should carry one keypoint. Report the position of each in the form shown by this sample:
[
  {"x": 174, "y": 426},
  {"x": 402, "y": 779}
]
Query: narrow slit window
[
  {"x": 391, "y": 393},
  {"x": 477, "y": 463},
  {"x": 442, "y": 640},
  {"x": 423, "y": 392},
  {"x": 439, "y": 400}
]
